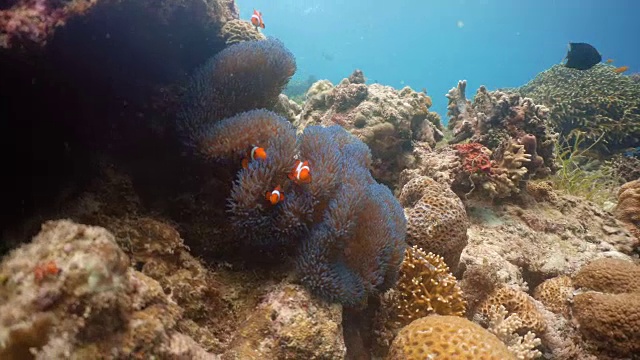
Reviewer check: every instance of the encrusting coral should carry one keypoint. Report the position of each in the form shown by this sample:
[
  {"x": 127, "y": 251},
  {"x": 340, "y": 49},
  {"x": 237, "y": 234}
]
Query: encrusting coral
[
  {"x": 597, "y": 103},
  {"x": 348, "y": 229}
]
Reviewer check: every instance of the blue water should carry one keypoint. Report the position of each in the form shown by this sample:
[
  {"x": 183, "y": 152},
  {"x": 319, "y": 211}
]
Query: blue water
[{"x": 434, "y": 43}]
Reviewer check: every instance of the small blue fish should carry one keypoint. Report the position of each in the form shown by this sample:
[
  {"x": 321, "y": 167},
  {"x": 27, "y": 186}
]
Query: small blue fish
[{"x": 632, "y": 152}]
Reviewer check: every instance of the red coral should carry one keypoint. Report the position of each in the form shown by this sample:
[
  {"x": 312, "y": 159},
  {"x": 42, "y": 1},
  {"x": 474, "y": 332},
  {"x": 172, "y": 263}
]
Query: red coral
[{"x": 475, "y": 157}]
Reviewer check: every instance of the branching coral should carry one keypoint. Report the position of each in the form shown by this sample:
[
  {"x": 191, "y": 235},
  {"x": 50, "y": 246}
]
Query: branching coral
[
  {"x": 506, "y": 329},
  {"x": 598, "y": 102},
  {"x": 244, "y": 76},
  {"x": 496, "y": 118},
  {"x": 426, "y": 287}
]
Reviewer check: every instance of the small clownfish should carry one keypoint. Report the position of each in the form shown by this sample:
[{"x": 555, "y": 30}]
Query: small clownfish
[
  {"x": 254, "y": 153},
  {"x": 609, "y": 61},
  {"x": 301, "y": 172},
  {"x": 256, "y": 19},
  {"x": 275, "y": 196}
]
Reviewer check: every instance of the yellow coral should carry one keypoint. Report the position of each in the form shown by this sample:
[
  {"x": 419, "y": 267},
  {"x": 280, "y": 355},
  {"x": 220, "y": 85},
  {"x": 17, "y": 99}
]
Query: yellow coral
[
  {"x": 515, "y": 302},
  {"x": 426, "y": 287},
  {"x": 555, "y": 293},
  {"x": 447, "y": 337},
  {"x": 436, "y": 218}
]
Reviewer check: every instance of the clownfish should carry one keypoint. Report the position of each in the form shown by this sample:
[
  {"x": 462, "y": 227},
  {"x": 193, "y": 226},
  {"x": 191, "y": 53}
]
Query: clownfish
[
  {"x": 254, "y": 153},
  {"x": 301, "y": 172},
  {"x": 256, "y": 19},
  {"x": 275, "y": 196}
]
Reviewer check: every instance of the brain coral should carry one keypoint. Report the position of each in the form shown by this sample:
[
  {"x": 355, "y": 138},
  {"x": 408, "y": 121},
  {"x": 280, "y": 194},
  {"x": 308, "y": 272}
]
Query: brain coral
[
  {"x": 426, "y": 287},
  {"x": 447, "y": 337},
  {"x": 610, "y": 321},
  {"x": 436, "y": 219},
  {"x": 609, "y": 275},
  {"x": 598, "y": 102},
  {"x": 236, "y": 30}
]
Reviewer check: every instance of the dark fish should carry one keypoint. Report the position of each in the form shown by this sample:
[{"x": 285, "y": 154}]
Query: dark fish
[{"x": 582, "y": 56}]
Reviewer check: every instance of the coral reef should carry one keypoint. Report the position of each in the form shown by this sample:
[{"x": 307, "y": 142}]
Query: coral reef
[
  {"x": 236, "y": 30},
  {"x": 289, "y": 324},
  {"x": 391, "y": 122},
  {"x": 449, "y": 337},
  {"x": 610, "y": 321},
  {"x": 498, "y": 119},
  {"x": 598, "y": 104},
  {"x": 506, "y": 329},
  {"x": 623, "y": 167},
  {"x": 425, "y": 287},
  {"x": 436, "y": 219},
  {"x": 613, "y": 276},
  {"x": 71, "y": 292},
  {"x": 628, "y": 208},
  {"x": 516, "y": 302},
  {"x": 31, "y": 23},
  {"x": 350, "y": 229}
]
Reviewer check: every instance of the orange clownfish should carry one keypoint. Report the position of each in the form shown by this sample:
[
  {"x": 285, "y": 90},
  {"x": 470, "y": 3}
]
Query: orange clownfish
[
  {"x": 275, "y": 196},
  {"x": 256, "y": 19},
  {"x": 620, "y": 69},
  {"x": 301, "y": 172},
  {"x": 254, "y": 153}
]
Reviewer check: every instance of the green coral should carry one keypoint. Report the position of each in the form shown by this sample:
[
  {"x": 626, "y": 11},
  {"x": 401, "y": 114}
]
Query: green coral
[{"x": 599, "y": 103}]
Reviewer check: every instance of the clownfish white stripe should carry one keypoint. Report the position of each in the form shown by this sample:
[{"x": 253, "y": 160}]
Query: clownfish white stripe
[{"x": 299, "y": 170}]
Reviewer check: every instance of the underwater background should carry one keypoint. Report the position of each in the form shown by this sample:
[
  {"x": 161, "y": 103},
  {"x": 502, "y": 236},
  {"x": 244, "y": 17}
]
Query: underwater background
[
  {"x": 432, "y": 44},
  {"x": 181, "y": 181}
]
